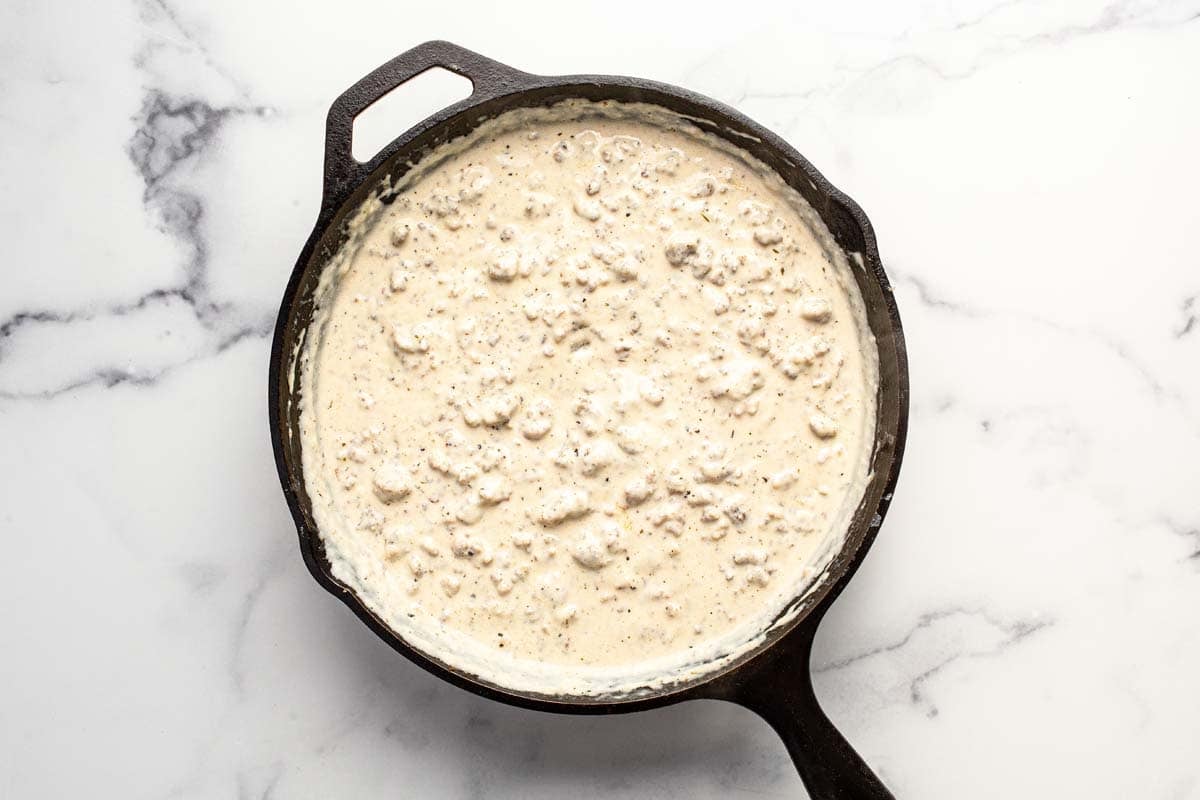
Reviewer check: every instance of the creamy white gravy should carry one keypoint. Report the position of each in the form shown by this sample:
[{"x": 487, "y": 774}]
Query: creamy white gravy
[{"x": 588, "y": 403}]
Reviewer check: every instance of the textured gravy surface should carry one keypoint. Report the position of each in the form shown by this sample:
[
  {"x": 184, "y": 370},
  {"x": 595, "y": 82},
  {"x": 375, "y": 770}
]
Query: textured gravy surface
[{"x": 593, "y": 392}]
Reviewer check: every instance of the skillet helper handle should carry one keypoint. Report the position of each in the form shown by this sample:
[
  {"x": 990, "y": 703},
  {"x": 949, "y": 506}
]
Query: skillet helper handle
[
  {"x": 779, "y": 689},
  {"x": 342, "y": 171}
]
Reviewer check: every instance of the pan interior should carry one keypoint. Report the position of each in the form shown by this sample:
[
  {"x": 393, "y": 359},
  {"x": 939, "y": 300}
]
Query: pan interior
[{"x": 845, "y": 240}]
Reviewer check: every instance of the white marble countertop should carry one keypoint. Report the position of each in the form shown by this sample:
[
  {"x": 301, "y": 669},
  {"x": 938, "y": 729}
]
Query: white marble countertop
[{"x": 1028, "y": 623}]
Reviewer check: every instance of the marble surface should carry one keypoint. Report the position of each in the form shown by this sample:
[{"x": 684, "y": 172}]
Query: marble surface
[{"x": 1027, "y": 623}]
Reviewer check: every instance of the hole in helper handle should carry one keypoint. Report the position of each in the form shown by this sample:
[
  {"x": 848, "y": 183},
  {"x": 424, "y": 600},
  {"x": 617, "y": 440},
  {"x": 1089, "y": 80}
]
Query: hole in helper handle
[
  {"x": 342, "y": 172},
  {"x": 778, "y": 687}
]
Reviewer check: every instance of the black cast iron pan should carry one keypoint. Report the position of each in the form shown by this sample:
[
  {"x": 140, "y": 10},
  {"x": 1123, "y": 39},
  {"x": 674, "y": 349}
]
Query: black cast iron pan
[{"x": 774, "y": 678}]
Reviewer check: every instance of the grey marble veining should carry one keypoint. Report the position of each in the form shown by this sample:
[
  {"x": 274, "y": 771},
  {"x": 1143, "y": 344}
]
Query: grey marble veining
[{"x": 1026, "y": 622}]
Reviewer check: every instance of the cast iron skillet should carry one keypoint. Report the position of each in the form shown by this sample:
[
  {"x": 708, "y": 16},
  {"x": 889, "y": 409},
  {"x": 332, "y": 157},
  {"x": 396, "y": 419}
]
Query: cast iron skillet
[{"x": 773, "y": 679}]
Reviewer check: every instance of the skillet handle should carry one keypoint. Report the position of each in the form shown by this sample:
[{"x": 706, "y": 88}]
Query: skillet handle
[
  {"x": 778, "y": 687},
  {"x": 342, "y": 171}
]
